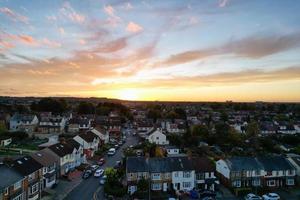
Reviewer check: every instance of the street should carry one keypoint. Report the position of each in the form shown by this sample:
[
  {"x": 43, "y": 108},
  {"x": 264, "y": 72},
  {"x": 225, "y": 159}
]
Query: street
[{"x": 87, "y": 188}]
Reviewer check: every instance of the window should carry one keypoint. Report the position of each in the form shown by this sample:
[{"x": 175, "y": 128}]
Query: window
[
  {"x": 156, "y": 186},
  {"x": 6, "y": 191},
  {"x": 157, "y": 138},
  {"x": 17, "y": 185},
  {"x": 290, "y": 182},
  {"x": 186, "y": 184},
  {"x": 236, "y": 183},
  {"x": 19, "y": 197},
  {"x": 156, "y": 176},
  {"x": 186, "y": 174},
  {"x": 200, "y": 176},
  {"x": 256, "y": 182},
  {"x": 176, "y": 174},
  {"x": 271, "y": 183},
  {"x": 31, "y": 176},
  {"x": 34, "y": 188}
]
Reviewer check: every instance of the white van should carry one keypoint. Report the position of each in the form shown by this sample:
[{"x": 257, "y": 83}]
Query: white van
[{"x": 111, "y": 151}]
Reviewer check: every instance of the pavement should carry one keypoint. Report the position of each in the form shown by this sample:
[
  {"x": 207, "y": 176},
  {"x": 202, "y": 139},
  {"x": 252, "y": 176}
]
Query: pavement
[{"x": 90, "y": 188}]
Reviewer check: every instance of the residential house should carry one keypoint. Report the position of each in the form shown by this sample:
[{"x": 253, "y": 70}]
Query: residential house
[
  {"x": 78, "y": 124},
  {"x": 31, "y": 170},
  {"x": 52, "y": 124},
  {"x": 268, "y": 171},
  {"x": 23, "y": 122},
  {"x": 50, "y": 166},
  {"x": 237, "y": 172},
  {"x": 5, "y": 141},
  {"x": 163, "y": 174},
  {"x": 204, "y": 173},
  {"x": 136, "y": 169},
  {"x": 171, "y": 150},
  {"x": 157, "y": 137},
  {"x": 12, "y": 184},
  {"x": 268, "y": 128},
  {"x": 89, "y": 141},
  {"x": 69, "y": 155},
  {"x": 278, "y": 171},
  {"x": 175, "y": 128},
  {"x": 286, "y": 128},
  {"x": 183, "y": 173},
  {"x": 102, "y": 134},
  {"x": 295, "y": 161}
]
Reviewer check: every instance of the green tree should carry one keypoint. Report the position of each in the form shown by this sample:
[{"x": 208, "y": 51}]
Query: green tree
[
  {"x": 252, "y": 129},
  {"x": 85, "y": 108},
  {"x": 143, "y": 185}
]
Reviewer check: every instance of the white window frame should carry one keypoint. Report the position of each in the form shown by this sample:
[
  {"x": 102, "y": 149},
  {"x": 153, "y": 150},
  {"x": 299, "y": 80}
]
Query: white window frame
[
  {"x": 186, "y": 184},
  {"x": 6, "y": 191},
  {"x": 290, "y": 181},
  {"x": 186, "y": 174},
  {"x": 19, "y": 197},
  {"x": 156, "y": 176},
  {"x": 17, "y": 185},
  {"x": 271, "y": 181},
  {"x": 34, "y": 188},
  {"x": 156, "y": 186}
]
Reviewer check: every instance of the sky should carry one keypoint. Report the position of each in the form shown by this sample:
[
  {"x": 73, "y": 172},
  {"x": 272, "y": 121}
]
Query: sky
[{"x": 185, "y": 50}]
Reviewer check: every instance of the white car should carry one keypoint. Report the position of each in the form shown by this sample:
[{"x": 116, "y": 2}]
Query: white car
[
  {"x": 103, "y": 180},
  {"x": 252, "y": 196},
  {"x": 98, "y": 173},
  {"x": 111, "y": 151},
  {"x": 271, "y": 196},
  {"x": 94, "y": 167}
]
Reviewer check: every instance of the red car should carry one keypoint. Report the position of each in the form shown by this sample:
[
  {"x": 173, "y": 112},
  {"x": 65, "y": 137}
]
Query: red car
[{"x": 101, "y": 161}]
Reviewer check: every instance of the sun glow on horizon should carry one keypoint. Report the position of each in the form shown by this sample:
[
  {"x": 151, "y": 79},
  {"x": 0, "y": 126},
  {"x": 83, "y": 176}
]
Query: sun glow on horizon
[{"x": 128, "y": 94}]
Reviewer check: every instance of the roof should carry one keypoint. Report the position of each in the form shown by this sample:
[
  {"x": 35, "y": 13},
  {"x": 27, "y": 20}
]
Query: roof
[
  {"x": 22, "y": 117},
  {"x": 73, "y": 143},
  {"x": 88, "y": 136},
  {"x": 62, "y": 149},
  {"x": 296, "y": 160},
  {"x": 8, "y": 176},
  {"x": 26, "y": 165},
  {"x": 202, "y": 164},
  {"x": 271, "y": 163},
  {"x": 243, "y": 163},
  {"x": 44, "y": 157},
  {"x": 136, "y": 164}
]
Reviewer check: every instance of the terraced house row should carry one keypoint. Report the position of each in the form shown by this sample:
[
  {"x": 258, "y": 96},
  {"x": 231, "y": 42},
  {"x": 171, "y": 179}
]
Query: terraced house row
[
  {"x": 170, "y": 173},
  {"x": 264, "y": 171}
]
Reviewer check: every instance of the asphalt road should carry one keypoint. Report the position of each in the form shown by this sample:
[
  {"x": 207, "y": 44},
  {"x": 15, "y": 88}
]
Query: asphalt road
[{"x": 86, "y": 189}]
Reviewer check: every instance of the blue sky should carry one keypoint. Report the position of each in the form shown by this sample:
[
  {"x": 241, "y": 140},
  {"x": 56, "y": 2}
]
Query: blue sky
[{"x": 151, "y": 50}]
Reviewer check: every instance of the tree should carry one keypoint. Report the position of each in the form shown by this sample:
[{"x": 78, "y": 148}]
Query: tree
[
  {"x": 143, "y": 185},
  {"x": 85, "y": 108},
  {"x": 252, "y": 129},
  {"x": 201, "y": 131},
  {"x": 50, "y": 105}
]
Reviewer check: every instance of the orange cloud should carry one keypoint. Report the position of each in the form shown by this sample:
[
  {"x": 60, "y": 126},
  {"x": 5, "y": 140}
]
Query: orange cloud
[
  {"x": 133, "y": 27},
  {"x": 109, "y": 10},
  {"x": 26, "y": 39}
]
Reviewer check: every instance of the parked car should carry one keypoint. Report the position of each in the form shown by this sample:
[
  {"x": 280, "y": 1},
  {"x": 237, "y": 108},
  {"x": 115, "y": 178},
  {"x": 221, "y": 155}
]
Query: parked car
[
  {"x": 94, "y": 167},
  {"x": 86, "y": 174},
  {"x": 102, "y": 180},
  {"x": 99, "y": 173},
  {"x": 207, "y": 193},
  {"x": 271, "y": 196},
  {"x": 111, "y": 152},
  {"x": 252, "y": 196},
  {"x": 118, "y": 164},
  {"x": 116, "y": 146},
  {"x": 120, "y": 143},
  {"x": 101, "y": 161}
]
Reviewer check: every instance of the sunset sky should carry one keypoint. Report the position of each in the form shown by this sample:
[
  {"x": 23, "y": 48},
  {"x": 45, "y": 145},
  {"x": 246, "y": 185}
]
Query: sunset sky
[{"x": 201, "y": 50}]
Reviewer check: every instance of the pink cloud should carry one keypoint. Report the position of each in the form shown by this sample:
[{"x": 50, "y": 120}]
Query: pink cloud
[
  {"x": 68, "y": 11},
  {"x": 81, "y": 41},
  {"x": 61, "y": 31},
  {"x": 50, "y": 43},
  {"x": 26, "y": 39},
  {"x": 109, "y": 10},
  {"x": 133, "y": 27},
  {"x": 13, "y": 15}
]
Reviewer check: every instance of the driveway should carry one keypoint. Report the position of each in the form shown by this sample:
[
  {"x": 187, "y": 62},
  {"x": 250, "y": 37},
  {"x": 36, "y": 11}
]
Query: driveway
[{"x": 87, "y": 188}]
